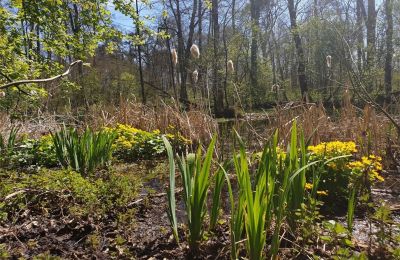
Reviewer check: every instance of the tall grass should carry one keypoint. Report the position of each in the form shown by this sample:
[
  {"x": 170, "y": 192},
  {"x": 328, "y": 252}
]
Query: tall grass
[
  {"x": 267, "y": 198},
  {"x": 195, "y": 174},
  {"x": 171, "y": 190},
  {"x": 7, "y": 145},
  {"x": 83, "y": 153}
]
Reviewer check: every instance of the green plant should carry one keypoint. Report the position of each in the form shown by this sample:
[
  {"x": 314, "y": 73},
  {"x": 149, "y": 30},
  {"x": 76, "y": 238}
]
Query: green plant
[
  {"x": 171, "y": 190},
  {"x": 195, "y": 173},
  {"x": 336, "y": 234},
  {"x": 7, "y": 145},
  {"x": 383, "y": 217},
  {"x": 219, "y": 179},
  {"x": 83, "y": 153},
  {"x": 132, "y": 144},
  {"x": 255, "y": 205}
]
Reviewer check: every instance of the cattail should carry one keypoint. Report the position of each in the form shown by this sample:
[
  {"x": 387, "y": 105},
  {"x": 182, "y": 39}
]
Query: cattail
[
  {"x": 194, "y": 50},
  {"x": 195, "y": 76},
  {"x": 2, "y": 94},
  {"x": 174, "y": 57},
  {"x": 230, "y": 66},
  {"x": 329, "y": 61},
  {"x": 275, "y": 88}
]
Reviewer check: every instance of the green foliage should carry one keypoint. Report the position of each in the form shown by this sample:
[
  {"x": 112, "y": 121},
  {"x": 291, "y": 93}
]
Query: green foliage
[
  {"x": 219, "y": 180},
  {"x": 83, "y": 153},
  {"x": 383, "y": 217},
  {"x": 339, "y": 177},
  {"x": 38, "y": 37},
  {"x": 195, "y": 173},
  {"x": 69, "y": 190},
  {"x": 336, "y": 234},
  {"x": 7, "y": 145},
  {"x": 171, "y": 191},
  {"x": 195, "y": 178},
  {"x": 132, "y": 144}
]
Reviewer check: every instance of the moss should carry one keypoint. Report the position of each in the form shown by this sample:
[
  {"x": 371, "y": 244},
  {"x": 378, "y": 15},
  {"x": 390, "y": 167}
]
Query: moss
[{"x": 50, "y": 190}]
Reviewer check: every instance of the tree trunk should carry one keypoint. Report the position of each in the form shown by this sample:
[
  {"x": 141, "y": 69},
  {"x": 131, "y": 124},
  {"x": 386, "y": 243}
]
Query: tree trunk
[
  {"x": 360, "y": 36},
  {"x": 371, "y": 39},
  {"x": 190, "y": 37},
  {"x": 301, "y": 67},
  {"x": 181, "y": 54},
  {"x": 218, "y": 93},
  {"x": 139, "y": 49},
  {"x": 255, "y": 24},
  {"x": 389, "y": 49}
]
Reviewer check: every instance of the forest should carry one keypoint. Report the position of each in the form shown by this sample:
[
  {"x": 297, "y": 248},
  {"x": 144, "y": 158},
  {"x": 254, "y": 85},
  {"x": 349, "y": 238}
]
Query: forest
[{"x": 200, "y": 129}]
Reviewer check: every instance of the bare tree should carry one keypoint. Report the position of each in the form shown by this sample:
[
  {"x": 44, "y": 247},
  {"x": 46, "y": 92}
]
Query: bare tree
[
  {"x": 389, "y": 49},
  {"x": 301, "y": 67}
]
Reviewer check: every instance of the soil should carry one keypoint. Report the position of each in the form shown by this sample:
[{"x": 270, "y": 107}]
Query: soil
[{"x": 143, "y": 232}]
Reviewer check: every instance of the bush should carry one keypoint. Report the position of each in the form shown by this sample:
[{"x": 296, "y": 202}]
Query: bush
[
  {"x": 133, "y": 144},
  {"x": 338, "y": 176},
  {"x": 85, "y": 152}
]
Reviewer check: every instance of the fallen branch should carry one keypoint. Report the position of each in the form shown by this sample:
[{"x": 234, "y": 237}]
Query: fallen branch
[{"x": 27, "y": 81}]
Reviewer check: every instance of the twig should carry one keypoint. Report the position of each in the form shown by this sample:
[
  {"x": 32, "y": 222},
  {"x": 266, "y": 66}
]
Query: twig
[{"x": 27, "y": 81}]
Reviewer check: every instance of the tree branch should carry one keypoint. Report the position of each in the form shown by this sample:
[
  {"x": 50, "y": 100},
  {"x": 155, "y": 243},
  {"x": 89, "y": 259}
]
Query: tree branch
[{"x": 27, "y": 81}]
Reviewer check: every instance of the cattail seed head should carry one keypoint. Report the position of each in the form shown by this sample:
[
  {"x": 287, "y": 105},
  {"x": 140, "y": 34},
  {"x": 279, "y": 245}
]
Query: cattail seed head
[
  {"x": 194, "y": 50},
  {"x": 329, "y": 61},
  {"x": 2, "y": 94},
  {"x": 195, "y": 76},
  {"x": 174, "y": 57},
  {"x": 230, "y": 66}
]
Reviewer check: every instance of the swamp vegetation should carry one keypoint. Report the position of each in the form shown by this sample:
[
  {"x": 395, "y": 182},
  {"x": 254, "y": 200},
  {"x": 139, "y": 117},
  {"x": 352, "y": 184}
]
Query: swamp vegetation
[{"x": 191, "y": 129}]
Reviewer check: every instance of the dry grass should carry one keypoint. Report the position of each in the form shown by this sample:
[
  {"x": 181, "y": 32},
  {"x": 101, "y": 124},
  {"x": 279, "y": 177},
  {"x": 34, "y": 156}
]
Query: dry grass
[
  {"x": 195, "y": 124},
  {"x": 372, "y": 132}
]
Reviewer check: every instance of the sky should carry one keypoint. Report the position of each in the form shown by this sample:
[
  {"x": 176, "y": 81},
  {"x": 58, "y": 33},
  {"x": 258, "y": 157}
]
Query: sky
[{"x": 125, "y": 23}]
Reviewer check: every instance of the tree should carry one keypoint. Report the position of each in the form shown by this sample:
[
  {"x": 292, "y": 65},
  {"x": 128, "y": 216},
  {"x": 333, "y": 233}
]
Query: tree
[
  {"x": 389, "y": 49},
  {"x": 301, "y": 67},
  {"x": 255, "y": 28},
  {"x": 218, "y": 92}
]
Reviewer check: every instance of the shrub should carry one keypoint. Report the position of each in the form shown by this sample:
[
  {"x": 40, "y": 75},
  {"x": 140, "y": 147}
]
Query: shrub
[
  {"x": 133, "y": 144},
  {"x": 339, "y": 175}
]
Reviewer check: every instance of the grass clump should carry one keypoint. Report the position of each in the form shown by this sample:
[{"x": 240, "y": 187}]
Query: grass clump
[
  {"x": 195, "y": 174},
  {"x": 83, "y": 153}
]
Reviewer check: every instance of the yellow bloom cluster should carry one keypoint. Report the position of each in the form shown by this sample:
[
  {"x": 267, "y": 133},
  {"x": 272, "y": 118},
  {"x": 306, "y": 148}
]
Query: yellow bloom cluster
[
  {"x": 371, "y": 165},
  {"x": 334, "y": 148},
  {"x": 309, "y": 186}
]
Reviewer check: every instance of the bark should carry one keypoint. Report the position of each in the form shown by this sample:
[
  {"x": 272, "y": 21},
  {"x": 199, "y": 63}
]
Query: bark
[
  {"x": 184, "y": 53},
  {"x": 218, "y": 92},
  {"x": 139, "y": 49},
  {"x": 200, "y": 37},
  {"x": 371, "y": 43},
  {"x": 301, "y": 67},
  {"x": 255, "y": 25},
  {"x": 389, "y": 49},
  {"x": 360, "y": 35},
  {"x": 181, "y": 54},
  {"x": 190, "y": 39}
]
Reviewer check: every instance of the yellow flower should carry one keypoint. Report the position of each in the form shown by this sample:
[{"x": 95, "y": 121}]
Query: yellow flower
[
  {"x": 322, "y": 193},
  {"x": 334, "y": 148},
  {"x": 308, "y": 186},
  {"x": 370, "y": 165}
]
